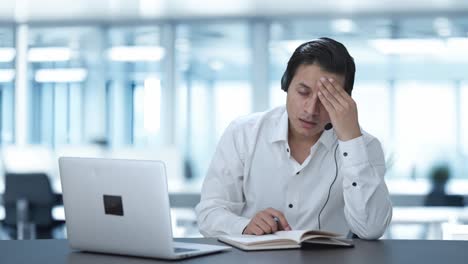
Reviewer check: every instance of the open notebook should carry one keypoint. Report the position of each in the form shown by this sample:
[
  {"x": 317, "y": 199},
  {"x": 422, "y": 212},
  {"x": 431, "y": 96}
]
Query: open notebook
[{"x": 285, "y": 239}]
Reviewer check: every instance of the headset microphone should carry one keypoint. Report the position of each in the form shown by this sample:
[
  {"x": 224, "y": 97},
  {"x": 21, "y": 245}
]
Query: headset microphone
[{"x": 328, "y": 126}]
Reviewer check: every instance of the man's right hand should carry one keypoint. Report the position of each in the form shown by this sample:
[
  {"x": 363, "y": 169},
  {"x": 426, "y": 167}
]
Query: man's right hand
[{"x": 264, "y": 223}]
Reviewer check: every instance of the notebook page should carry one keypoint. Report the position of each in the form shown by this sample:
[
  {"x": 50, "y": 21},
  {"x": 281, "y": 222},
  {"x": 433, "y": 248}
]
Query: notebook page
[
  {"x": 252, "y": 239},
  {"x": 294, "y": 235}
]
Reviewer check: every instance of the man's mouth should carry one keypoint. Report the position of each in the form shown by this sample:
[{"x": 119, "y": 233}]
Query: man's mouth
[{"x": 308, "y": 124}]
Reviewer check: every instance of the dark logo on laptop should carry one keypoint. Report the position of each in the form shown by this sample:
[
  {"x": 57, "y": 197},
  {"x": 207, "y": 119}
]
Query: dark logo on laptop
[{"x": 113, "y": 205}]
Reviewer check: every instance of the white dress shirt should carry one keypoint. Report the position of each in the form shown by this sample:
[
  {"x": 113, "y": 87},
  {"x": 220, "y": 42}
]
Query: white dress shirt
[{"x": 252, "y": 169}]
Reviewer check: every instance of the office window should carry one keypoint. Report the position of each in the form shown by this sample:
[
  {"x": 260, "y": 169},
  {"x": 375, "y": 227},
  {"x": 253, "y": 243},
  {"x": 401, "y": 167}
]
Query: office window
[
  {"x": 146, "y": 112},
  {"x": 464, "y": 120},
  {"x": 373, "y": 100},
  {"x": 213, "y": 68},
  {"x": 231, "y": 102},
  {"x": 461, "y": 168},
  {"x": 277, "y": 96},
  {"x": 281, "y": 46},
  {"x": 62, "y": 65},
  {"x": 425, "y": 128},
  {"x": 134, "y": 59},
  {"x": 7, "y": 79}
]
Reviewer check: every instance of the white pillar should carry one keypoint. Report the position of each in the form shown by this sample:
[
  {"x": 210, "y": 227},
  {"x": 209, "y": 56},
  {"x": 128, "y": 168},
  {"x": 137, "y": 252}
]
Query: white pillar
[
  {"x": 22, "y": 92},
  {"x": 94, "y": 90},
  {"x": 260, "y": 35},
  {"x": 168, "y": 102}
]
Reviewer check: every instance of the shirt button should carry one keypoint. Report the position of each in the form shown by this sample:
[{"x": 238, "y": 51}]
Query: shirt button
[
  {"x": 287, "y": 150},
  {"x": 345, "y": 154},
  {"x": 290, "y": 206},
  {"x": 297, "y": 173},
  {"x": 354, "y": 183}
]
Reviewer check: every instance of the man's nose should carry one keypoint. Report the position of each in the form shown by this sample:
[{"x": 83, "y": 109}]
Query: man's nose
[{"x": 312, "y": 105}]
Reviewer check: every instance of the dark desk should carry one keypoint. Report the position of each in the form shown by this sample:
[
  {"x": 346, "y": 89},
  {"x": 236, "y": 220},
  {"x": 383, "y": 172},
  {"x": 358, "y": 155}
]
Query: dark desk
[{"x": 383, "y": 251}]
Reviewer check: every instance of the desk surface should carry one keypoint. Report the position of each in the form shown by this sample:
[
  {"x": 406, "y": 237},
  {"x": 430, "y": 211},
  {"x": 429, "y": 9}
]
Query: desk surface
[{"x": 382, "y": 251}]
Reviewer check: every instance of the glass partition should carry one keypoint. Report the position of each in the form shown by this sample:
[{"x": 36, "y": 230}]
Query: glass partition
[
  {"x": 213, "y": 69},
  {"x": 62, "y": 63},
  {"x": 7, "y": 80}
]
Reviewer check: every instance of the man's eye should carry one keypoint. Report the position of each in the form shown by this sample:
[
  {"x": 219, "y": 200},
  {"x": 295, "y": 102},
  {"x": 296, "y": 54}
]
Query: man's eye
[{"x": 303, "y": 93}]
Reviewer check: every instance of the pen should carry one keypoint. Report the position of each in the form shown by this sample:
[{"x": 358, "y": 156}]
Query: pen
[{"x": 276, "y": 219}]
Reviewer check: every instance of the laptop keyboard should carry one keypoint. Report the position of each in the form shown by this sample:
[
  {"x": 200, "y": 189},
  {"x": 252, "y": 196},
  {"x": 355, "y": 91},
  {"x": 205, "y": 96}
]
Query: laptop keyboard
[{"x": 181, "y": 250}]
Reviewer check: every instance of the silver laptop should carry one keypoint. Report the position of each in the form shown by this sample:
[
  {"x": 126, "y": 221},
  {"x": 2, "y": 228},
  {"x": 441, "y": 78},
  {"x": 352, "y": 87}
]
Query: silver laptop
[{"x": 121, "y": 207}]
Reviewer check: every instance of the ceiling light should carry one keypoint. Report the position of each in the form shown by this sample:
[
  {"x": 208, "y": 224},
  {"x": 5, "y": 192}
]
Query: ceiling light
[
  {"x": 49, "y": 54},
  {"x": 60, "y": 75},
  {"x": 7, "y": 54},
  {"x": 136, "y": 53},
  {"x": 343, "y": 25}
]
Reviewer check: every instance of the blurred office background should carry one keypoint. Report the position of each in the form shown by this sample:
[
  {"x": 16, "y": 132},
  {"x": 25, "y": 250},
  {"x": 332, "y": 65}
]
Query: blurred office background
[{"x": 161, "y": 79}]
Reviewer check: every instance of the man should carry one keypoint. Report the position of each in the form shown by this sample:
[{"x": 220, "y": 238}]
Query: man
[{"x": 304, "y": 166}]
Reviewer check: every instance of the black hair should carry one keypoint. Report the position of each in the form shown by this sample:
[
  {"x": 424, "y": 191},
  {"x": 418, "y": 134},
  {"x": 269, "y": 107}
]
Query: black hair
[{"x": 329, "y": 54}]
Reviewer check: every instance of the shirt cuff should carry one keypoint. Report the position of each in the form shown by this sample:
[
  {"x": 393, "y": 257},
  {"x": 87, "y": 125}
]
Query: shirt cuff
[
  {"x": 353, "y": 152},
  {"x": 239, "y": 226}
]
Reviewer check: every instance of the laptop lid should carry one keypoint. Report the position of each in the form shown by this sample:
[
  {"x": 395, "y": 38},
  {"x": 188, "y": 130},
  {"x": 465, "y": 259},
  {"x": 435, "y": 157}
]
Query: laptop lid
[{"x": 117, "y": 206}]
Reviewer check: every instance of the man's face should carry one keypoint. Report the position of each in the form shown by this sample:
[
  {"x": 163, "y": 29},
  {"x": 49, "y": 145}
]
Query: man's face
[{"x": 307, "y": 115}]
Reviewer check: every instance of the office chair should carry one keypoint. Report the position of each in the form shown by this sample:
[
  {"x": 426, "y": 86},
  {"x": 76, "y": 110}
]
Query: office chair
[
  {"x": 442, "y": 199},
  {"x": 29, "y": 198}
]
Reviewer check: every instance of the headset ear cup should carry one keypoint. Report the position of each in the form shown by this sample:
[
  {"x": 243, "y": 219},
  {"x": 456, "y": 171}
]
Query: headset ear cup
[{"x": 284, "y": 82}]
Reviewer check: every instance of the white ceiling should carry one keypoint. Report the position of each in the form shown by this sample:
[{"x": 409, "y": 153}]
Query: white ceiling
[{"x": 109, "y": 10}]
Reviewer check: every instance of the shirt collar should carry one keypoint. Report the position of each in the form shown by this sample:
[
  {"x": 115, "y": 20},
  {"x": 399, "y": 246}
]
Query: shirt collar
[
  {"x": 280, "y": 128},
  {"x": 280, "y": 132},
  {"x": 328, "y": 138}
]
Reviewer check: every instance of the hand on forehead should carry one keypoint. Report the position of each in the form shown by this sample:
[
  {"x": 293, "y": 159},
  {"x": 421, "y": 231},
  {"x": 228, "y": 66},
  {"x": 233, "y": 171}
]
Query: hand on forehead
[{"x": 309, "y": 75}]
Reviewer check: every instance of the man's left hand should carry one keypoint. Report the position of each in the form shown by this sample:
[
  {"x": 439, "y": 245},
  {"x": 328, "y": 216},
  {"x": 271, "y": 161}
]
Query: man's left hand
[{"x": 341, "y": 108}]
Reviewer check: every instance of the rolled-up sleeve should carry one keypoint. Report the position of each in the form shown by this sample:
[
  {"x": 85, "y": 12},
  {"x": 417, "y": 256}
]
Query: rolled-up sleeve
[
  {"x": 368, "y": 209},
  {"x": 222, "y": 198}
]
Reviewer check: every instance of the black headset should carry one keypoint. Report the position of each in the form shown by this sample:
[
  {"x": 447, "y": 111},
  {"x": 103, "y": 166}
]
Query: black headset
[{"x": 285, "y": 81}]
